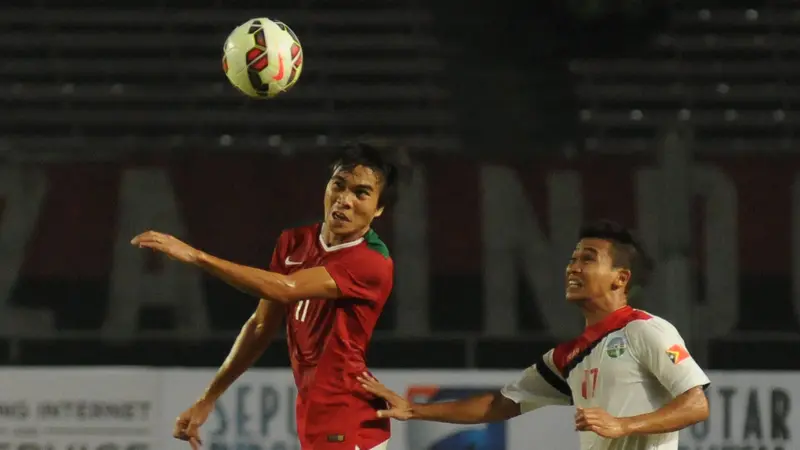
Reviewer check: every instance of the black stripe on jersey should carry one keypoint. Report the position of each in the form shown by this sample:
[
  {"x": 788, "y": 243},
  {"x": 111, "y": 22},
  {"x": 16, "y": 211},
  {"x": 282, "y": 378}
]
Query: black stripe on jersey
[
  {"x": 553, "y": 379},
  {"x": 585, "y": 352}
]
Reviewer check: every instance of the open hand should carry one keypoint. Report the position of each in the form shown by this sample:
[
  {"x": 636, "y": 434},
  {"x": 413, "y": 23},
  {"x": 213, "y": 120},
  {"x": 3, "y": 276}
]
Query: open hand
[
  {"x": 166, "y": 244},
  {"x": 187, "y": 425},
  {"x": 599, "y": 422},
  {"x": 399, "y": 408}
]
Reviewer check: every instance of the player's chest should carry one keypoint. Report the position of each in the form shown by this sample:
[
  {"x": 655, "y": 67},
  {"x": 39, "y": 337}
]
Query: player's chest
[
  {"x": 608, "y": 366},
  {"x": 304, "y": 258}
]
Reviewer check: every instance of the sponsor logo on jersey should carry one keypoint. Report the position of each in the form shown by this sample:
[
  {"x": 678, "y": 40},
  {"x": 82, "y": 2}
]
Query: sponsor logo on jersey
[
  {"x": 677, "y": 354},
  {"x": 443, "y": 436},
  {"x": 573, "y": 354},
  {"x": 335, "y": 438},
  {"x": 616, "y": 347},
  {"x": 289, "y": 262}
]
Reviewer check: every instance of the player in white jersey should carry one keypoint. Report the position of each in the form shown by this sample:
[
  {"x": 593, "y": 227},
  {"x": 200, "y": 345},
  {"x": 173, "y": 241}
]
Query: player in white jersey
[{"x": 629, "y": 374}]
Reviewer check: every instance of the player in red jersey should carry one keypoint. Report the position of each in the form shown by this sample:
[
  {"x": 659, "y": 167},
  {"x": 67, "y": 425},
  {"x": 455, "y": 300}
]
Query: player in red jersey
[{"x": 330, "y": 281}]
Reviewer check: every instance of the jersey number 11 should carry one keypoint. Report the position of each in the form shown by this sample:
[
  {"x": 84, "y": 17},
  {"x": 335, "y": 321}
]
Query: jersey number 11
[{"x": 301, "y": 310}]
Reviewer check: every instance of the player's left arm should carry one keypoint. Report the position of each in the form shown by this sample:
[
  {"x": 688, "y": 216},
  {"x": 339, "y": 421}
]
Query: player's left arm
[
  {"x": 366, "y": 277},
  {"x": 659, "y": 347},
  {"x": 314, "y": 283},
  {"x": 684, "y": 410}
]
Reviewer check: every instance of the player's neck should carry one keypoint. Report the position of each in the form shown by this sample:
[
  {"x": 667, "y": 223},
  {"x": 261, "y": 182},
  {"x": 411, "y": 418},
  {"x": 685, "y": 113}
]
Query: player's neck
[
  {"x": 595, "y": 311},
  {"x": 332, "y": 239}
]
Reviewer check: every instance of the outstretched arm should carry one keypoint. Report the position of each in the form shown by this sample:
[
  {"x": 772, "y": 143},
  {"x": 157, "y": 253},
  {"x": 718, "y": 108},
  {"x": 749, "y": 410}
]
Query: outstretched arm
[
  {"x": 483, "y": 408},
  {"x": 531, "y": 391},
  {"x": 307, "y": 283},
  {"x": 304, "y": 284}
]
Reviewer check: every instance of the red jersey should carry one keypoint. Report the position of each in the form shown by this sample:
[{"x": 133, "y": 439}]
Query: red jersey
[{"x": 328, "y": 338}]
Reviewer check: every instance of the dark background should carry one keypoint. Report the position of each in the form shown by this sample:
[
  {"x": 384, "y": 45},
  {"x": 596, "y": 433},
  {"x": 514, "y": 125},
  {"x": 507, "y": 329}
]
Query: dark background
[{"x": 90, "y": 88}]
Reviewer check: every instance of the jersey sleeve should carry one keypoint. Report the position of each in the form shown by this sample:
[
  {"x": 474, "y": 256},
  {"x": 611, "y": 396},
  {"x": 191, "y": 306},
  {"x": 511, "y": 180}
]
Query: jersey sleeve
[
  {"x": 539, "y": 385},
  {"x": 276, "y": 264},
  {"x": 363, "y": 276},
  {"x": 658, "y": 346}
]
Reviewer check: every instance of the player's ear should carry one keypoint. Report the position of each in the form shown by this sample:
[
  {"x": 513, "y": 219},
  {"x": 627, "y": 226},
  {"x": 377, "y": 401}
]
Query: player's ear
[
  {"x": 379, "y": 211},
  {"x": 622, "y": 279}
]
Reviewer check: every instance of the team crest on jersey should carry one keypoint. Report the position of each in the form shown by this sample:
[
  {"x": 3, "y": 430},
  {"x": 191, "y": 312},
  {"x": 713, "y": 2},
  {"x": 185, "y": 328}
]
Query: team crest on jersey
[
  {"x": 616, "y": 347},
  {"x": 677, "y": 354}
]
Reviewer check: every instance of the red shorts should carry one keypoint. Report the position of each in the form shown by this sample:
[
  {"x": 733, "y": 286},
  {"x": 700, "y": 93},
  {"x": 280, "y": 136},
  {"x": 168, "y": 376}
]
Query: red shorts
[
  {"x": 326, "y": 445},
  {"x": 363, "y": 439},
  {"x": 342, "y": 427}
]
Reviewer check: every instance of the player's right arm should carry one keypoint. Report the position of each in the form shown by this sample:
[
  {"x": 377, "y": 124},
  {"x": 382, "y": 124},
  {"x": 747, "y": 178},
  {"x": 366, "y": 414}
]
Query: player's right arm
[
  {"x": 253, "y": 340},
  {"x": 538, "y": 386},
  {"x": 255, "y": 336},
  {"x": 483, "y": 408}
]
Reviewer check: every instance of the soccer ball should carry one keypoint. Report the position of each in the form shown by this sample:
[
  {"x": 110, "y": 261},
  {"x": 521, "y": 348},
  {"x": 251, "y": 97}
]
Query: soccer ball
[{"x": 262, "y": 58}]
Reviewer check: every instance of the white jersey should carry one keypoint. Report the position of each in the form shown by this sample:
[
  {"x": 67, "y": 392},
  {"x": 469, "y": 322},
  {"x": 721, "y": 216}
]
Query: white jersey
[{"x": 631, "y": 363}]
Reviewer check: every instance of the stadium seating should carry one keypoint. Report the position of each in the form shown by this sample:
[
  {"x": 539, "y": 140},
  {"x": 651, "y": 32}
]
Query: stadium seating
[
  {"x": 727, "y": 70},
  {"x": 143, "y": 76}
]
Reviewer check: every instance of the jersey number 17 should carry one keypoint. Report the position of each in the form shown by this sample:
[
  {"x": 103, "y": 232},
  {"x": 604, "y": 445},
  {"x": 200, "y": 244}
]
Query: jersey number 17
[{"x": 589, "y": 383}]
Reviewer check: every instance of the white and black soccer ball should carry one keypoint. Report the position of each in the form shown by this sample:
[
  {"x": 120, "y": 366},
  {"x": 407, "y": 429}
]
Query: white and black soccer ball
[{"x": 262, "y": 58}]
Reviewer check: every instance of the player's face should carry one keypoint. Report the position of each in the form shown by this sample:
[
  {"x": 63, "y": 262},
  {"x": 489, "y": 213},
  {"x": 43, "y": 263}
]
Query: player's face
[
  {"x": 351, "y": 200},
  {"x": 591, "y": 273}
]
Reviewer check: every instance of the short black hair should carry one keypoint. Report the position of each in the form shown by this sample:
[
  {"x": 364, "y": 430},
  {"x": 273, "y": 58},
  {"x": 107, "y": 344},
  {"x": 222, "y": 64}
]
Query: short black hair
[
  {"x": 392, "y": 164},
  {"x": 626, "y": 250}
]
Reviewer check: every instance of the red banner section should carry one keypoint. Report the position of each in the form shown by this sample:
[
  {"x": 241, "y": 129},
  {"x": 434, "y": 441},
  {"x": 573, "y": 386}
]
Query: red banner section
[{"x": 67, "y": 218}]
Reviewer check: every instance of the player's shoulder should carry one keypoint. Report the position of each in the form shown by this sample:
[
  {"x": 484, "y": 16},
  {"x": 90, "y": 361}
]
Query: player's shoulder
[
  {"x": 369, "y": 258},
  {"x": 649, "y": 325},
  {"x": 375, "y": 247},
  {"x": 370, "y": 251},
  {"x": 569, "y": 352}
]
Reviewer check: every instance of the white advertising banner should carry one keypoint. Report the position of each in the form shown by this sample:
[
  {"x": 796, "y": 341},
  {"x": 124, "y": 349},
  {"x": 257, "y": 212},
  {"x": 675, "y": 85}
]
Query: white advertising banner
[
  {"x": 79, "y": 409},
  {"x": 749, "y": 411},
  {"x": 257, "y": 413},
  {"x": 134, "y": 409}
]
